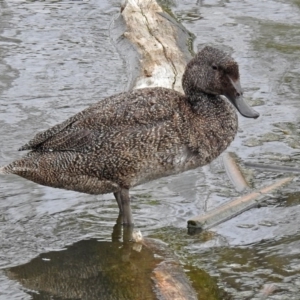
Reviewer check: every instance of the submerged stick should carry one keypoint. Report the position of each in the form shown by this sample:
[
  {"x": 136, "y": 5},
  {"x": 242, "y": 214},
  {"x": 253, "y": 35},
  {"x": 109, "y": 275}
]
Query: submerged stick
[
  {"x": 233, "y": 172},
  {"x": 273, "y": 168},
  {"x": 235, "y": 207}
]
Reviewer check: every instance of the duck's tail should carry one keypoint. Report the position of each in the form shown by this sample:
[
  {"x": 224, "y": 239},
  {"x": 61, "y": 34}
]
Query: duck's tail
[
  {"x": 26, "y": 167},
  {"x": 19, "y": 166},
  {"x": 3, "y": 170},
  {"x": 10, "y": 169}
]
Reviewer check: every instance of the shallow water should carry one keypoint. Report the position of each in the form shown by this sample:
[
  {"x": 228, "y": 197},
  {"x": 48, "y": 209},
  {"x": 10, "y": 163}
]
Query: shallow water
[{"x": 57, "y": 57}]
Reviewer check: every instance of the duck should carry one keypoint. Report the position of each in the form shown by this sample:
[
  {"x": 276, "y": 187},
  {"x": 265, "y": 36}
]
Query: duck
[{"x": 141, "y": 135}]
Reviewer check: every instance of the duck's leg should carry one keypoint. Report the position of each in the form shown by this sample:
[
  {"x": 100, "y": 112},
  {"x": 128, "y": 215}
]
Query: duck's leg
[
  {"x": 123, "y": 200},
  {"x": 119, "y": 201}
]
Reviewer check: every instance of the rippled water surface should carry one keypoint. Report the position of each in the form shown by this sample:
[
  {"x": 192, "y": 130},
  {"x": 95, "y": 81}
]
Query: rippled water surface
[{"x": 56, "y": 58}]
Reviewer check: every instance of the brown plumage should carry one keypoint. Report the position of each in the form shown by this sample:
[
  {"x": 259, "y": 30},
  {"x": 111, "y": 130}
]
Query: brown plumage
[{"x": 133, "y": 137}]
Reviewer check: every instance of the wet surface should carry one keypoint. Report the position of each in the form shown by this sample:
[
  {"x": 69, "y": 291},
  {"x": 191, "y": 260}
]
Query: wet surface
[{"x": 57, "y": 57}]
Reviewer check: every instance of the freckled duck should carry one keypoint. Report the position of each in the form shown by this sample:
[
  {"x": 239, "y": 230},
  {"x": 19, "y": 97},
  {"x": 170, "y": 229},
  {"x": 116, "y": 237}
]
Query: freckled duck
[{"x": 137, "y": 136}]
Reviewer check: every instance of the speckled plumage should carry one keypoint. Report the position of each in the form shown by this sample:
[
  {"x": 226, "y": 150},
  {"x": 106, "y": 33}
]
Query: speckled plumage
[{"x": 133, "y": 137}]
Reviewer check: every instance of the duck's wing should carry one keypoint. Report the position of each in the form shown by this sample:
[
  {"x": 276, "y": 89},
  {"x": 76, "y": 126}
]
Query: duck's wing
[
  {"x": 137, "y": 108},
  {"x": 62, "y": 131},
  {"x": 43, "y": 136},
  {"x": 68, "y": 140}
]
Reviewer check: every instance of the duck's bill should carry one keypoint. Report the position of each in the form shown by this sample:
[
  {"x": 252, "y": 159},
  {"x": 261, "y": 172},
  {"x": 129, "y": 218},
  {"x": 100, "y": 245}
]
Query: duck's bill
[
  {"x": 244, "y": 109},
  {"x": 240, "y": 104}
]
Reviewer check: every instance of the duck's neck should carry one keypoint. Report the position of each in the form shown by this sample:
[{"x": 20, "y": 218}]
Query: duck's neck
[
  {"x": 213, "y": 107},
  {"x": 220, "y": 115},
  {"x": 199, "y": 96},
  {"x": 213, "y": 123}
]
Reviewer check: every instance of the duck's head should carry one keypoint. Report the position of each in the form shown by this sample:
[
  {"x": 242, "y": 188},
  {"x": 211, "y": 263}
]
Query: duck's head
[{"x": 214, "y": 72}]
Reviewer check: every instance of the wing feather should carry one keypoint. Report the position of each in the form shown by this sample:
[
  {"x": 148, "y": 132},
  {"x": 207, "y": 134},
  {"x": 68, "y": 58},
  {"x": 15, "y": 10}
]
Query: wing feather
[{"x": 137, "y": 108}]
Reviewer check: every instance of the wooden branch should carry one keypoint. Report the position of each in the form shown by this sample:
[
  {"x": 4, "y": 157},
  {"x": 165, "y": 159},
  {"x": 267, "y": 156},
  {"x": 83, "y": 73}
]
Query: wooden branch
[
  {"x": 273, "y": 168},
  {"x": 235, "y": 207}
]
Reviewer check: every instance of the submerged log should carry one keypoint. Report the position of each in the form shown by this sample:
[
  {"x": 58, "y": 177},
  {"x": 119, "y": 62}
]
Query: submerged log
[
  {"x": 235, "y": 207},
  {"x": 171, "y": 284},
  {"x": 170, "y": 281}
]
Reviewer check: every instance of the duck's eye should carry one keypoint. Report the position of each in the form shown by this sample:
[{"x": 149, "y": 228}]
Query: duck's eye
[{"x": 214, "y": 67}]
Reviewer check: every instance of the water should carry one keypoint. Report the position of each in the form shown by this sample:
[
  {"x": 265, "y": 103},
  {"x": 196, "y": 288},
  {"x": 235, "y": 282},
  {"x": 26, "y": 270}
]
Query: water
[{"x": 56, "y": 58}]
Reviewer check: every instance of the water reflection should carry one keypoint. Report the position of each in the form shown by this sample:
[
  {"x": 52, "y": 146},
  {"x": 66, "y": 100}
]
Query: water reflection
[
  {"x": 90, "y": 269},
  {"x": 93, "y": 269}
]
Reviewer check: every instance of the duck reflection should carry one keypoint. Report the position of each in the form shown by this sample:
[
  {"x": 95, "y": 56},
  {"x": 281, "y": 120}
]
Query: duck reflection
[{"x": 90, "y": 269}]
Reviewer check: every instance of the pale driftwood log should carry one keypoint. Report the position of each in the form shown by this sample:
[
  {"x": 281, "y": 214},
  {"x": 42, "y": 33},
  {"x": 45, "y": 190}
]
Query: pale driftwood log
[
  {"x": 234, "y": 173},
  {"x": 235, "y": 207},
  {"x": 155, "y": 37}
]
